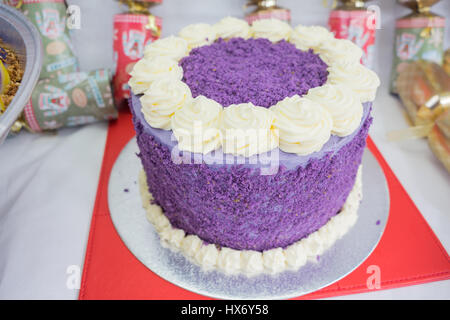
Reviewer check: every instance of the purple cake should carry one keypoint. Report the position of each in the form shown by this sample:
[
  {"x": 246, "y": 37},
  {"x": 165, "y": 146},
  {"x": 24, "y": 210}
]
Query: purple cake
[{"x": 237, "y": 203}]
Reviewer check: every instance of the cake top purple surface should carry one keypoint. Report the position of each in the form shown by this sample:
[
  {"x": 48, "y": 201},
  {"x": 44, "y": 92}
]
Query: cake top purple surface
[{"x": 254, "y": 70}]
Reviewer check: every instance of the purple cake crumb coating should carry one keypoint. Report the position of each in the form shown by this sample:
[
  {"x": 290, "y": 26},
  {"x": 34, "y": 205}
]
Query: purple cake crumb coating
[
  {"x": 232, "y": 206},
  {"x": 253, "y": 70}
]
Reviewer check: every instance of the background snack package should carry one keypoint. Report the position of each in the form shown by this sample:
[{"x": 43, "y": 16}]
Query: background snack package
[
  {"x": 439, "y": 139},
  {"x": 357, "y": 24},
  {"x": 418, "y": 36},
  {"x": 423, "y": 88},
  {"x": 49, "y": 17},
  {"x": 267, "y": 10},
  {"x": 70, "y": 100},
  {"x": 132, "y": 32}
]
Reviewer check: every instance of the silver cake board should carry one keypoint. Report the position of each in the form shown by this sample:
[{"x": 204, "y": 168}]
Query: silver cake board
[{"x": 138, "y": 234}]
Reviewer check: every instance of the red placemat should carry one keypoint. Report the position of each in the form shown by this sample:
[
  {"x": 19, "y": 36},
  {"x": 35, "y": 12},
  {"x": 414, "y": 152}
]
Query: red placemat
[{"x": 408, "y": 253}]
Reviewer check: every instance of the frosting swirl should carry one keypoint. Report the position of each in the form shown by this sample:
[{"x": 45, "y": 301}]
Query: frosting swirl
[
  {"x": 339, "y": 51},
  {"x": 342, "y": 103},
  {"x": 274, "y": 260},
  {"x": 145, "y": 71},
  {"x": 304, "y": 125},
  {"x": 198, "y": 34},
  {"x": 272, "y": 29},
  {"x": 196, "y": 125},
  {"x": 172, "y": 47},
  {"x": 230, "y": 27},
  {"x": 305, "y": 38},
  {"x": 360, "y": 79},
  {"x": 162, "y": 99},
  {"x": 248, "y": 130},
  {"x": 207, "y": 256},
  {"x": 252, "y": 262}
]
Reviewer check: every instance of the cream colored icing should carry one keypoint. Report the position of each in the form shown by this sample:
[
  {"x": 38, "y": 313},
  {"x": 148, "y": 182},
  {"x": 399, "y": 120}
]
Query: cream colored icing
[
  {"x": 360, "y": 79},
  {"x": 230, "y": 27},
  {"x": 249, "y": 262},
  {"x": 162, "y": 99},
  {"x": 304, "y": 125},
  {"x": 196, "y": 125},
  {"x": 309, "y": 37},
  {"x": 272, "y": 29},
  {"x": 248, "y": 130},
  {"x": 339, "y": 51},
  {"x": 171, "y": 47},
  {"x": 342, "y": 103},
  {"x": 198, "y": 34},
  {"x": 145, "y": 71}
]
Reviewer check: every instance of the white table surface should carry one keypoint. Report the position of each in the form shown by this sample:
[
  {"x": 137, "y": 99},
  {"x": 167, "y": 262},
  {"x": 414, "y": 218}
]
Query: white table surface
[{"x": 48, "y": 182}]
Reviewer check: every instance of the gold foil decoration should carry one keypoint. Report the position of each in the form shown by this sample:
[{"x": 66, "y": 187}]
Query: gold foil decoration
[
  {"x": 262, "y": 4},
  {"x": 418, "y": 6},
  {"x": 424, "y": 89},
  {"x": 266, "y": 9},
  {"x": 352, "y": 4},
  {"x": 143, "y": 7},
  {"x": 152, "y": 26},
  {"x": 446, "y": 62},
  {"x": 137, "y": 7},
  {"x": 439, "y": 139},
  {"x": 421, "y": 8}
]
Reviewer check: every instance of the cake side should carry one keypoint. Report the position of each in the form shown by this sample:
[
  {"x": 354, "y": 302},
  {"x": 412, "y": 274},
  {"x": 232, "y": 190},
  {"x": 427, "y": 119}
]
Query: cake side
[{"x": 231, "y": 206}]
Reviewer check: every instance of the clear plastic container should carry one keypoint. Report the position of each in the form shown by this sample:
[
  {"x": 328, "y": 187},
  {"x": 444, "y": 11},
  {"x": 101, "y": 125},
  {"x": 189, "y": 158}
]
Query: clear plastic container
[{"x": 21, "y": 36}]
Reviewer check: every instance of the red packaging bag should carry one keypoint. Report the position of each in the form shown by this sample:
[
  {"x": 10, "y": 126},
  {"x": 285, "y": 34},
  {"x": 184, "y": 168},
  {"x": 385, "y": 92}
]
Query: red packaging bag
[{"x": 132, "y": 32}]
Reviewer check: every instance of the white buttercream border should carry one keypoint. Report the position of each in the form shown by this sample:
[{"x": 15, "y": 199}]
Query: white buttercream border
[
  {"x": 343, "y": 57},
  {"x": 248, "y": 262}
]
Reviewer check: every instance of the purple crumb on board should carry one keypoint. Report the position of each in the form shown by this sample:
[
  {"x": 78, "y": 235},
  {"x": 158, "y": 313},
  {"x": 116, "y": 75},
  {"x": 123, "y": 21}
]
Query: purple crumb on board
[{"x": 254, "y": 70}]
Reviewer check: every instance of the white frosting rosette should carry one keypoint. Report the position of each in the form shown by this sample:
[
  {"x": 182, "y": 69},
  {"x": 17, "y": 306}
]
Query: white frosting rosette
[
  {"x": 305, "y": 37},
  {"x": 339, "y": 51},
  {"x": 272, "y": 29},
  {"x": 230, "y": 27},
  {"x": 304, "y": 125},
  {"x": 145, "y": 71},
  {"x": 248, "y": 130},
  {"x": 196, "y": 125},
  {"x": 342, "y": 103},
  {"x": 198, "y": 34},
  {"x": 171, "y": 47},
  {"x": 162, "y": 99},
  {"x": 360, "y": 79}
]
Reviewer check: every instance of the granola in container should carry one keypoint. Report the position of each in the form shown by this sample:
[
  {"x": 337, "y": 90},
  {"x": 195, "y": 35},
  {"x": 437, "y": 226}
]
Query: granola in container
[{"x": 10, "y": 76}]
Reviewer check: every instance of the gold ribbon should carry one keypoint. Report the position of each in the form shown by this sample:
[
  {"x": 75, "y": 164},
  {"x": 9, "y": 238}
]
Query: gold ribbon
[
  {"x": 139, "y": 7},
  {"x": 418, "y": 6},
  {"x": 345, "y": 4},
  {"x": 152, "y": 26},
  {"x": 262, "y": 4},
  {"x": 431, "y": 109}
]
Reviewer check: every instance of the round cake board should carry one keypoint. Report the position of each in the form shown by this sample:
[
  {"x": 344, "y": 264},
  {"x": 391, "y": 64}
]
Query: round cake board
[{"x": 139, "y": 235}]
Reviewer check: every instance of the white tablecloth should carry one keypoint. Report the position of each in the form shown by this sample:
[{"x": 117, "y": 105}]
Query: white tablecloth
[{"x": 48, "y": 182}]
